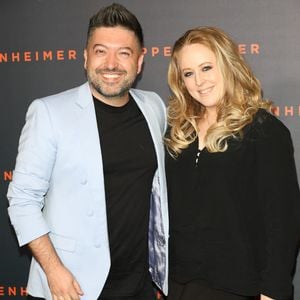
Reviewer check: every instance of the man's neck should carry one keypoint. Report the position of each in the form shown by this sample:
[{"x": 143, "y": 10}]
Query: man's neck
[{"x": 113, "y": 101}]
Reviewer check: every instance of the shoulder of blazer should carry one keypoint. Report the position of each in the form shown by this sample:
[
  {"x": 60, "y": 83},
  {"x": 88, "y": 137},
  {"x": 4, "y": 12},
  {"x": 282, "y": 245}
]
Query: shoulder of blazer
[
  {"x": 152, "y": 102},
  {"x": 80, "y": 95}
]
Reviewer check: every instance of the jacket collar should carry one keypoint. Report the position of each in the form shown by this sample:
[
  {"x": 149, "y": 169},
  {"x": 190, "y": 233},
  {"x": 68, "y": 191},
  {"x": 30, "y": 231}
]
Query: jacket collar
[{"x": 85, "y": 97}]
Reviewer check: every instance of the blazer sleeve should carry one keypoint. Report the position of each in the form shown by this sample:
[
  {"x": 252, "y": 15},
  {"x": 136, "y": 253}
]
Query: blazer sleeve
[
  {"x": 34, "y": 163},
  {"x": 279, "y": 194}
]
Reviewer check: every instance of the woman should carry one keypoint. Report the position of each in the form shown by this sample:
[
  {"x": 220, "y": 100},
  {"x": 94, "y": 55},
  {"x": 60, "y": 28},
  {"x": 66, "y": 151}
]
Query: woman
[{"x": 232, "y": 183}]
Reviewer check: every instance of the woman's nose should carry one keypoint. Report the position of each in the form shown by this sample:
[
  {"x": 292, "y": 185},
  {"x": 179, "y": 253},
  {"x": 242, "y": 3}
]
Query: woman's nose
[{"x": 199, "y": 79}]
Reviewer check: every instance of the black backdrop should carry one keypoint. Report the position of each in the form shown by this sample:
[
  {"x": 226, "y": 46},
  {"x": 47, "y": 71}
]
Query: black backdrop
[{"x": 41, "y": 47}]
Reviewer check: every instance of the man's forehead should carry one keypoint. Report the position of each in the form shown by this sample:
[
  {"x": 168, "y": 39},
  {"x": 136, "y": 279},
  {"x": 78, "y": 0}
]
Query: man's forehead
[{"x": 113, "y": 37}]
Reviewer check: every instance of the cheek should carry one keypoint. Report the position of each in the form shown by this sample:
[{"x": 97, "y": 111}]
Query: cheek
[
  {"x": 87, "y": 63},
  {"x": 218, "y": 78},
  {"x": 189, "y": 85},
  {"x": 94, "y": 62},
  {"x": 132, "y": 67}
]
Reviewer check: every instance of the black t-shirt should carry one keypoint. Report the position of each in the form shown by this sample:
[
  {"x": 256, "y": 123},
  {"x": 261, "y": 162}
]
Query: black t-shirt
[{"x": 129, "y": 163}]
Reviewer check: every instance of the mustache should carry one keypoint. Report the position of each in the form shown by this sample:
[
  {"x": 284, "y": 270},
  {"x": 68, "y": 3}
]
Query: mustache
[{"x": 110, "y": 70}]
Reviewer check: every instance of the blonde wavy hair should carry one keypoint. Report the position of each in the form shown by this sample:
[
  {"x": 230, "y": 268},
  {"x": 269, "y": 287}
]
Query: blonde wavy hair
[{"x": 241, "y": 100}]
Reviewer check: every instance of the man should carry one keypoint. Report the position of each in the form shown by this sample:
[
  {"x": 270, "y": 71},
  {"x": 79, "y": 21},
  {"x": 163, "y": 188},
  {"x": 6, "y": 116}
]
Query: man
[{"x": 88, "y": 189}]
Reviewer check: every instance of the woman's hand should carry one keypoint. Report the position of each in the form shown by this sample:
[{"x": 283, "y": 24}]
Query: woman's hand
[{"x": 263, "y": 297}]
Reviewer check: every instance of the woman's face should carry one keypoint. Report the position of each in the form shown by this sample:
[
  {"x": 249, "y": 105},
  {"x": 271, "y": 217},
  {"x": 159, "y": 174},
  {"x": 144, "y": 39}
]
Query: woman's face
[{"x": 201, "y": 75}]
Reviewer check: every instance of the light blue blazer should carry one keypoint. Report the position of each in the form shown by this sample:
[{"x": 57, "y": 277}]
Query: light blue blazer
[{"x": 58, "y": 188}]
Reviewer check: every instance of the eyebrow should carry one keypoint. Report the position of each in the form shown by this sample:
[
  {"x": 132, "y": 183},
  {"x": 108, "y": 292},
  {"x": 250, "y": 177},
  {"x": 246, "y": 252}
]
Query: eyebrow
[
  {"x": 207, "y": 62},
  {"x": 120, "y": 48}
]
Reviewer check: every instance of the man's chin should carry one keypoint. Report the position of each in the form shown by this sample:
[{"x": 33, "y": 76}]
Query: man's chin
[
  {"x": 112, "y": 95},
  {"x": 110, "y": 92}
]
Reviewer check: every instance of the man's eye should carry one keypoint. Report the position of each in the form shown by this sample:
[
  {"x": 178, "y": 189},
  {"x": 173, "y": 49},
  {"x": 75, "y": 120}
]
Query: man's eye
[
  {"x": 125, "y": 54},
  {"x": 99, "y": 51}
]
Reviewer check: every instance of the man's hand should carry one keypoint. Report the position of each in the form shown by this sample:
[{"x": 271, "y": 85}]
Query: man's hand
[{"x": 63, "y": 285}]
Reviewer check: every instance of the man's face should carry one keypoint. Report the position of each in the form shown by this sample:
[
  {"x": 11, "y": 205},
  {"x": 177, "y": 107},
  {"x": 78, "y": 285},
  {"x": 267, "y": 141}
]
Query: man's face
[{"x": 112, "y": 59}]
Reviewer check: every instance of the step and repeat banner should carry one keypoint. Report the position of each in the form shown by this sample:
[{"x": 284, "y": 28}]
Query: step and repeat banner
[{"x": 41, "y": 53}]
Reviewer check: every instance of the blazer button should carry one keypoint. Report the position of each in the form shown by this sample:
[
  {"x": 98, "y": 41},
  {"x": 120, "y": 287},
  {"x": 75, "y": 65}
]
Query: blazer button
[
  {"x": 83, "y": 182},
  {"x": 90, "y": 213},
  {"x": 97, "y": 244}
]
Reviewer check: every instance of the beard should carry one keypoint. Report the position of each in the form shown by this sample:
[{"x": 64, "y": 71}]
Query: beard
[{"x": 110, "y": 90}]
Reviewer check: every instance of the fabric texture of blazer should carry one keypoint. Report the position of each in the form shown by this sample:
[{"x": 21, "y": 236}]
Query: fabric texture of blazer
[{"x": 58, "y": 189}]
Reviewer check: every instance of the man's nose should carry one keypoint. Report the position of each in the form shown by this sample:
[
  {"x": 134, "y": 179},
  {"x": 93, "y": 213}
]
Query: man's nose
[{"x": 111, "y": 61}]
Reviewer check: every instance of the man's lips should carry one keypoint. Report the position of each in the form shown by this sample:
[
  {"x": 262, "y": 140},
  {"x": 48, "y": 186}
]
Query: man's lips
[
  {"x": 111, "y": 75},
  {"x": 113, "y": 72}
]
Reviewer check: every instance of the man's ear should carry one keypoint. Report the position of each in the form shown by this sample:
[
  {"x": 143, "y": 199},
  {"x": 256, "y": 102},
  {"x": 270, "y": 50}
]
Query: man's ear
[
  {"x": 85, "y": 58},
  {"x": 140, "y": 63}
]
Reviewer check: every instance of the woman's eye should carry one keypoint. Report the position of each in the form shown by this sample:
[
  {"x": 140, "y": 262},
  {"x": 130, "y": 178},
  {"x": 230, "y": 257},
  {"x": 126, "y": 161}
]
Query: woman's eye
[
  {"x": 187, "y": 74},
  {"x": 206, "y": 68}
]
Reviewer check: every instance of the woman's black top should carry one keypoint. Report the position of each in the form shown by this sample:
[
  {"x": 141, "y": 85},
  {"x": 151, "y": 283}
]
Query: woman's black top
[{"x": 235, "y": 215}]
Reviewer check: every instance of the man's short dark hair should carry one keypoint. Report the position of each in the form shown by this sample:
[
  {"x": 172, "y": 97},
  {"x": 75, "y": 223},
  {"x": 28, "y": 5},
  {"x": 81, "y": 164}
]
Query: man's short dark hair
[{"x": 116, "y": 15}]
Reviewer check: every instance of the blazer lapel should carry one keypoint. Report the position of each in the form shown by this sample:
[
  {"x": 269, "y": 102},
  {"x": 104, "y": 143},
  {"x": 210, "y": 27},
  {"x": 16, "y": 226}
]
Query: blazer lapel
[
  {"x": 152, "y": 121},
  {"x": 90, "y": 142}
]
